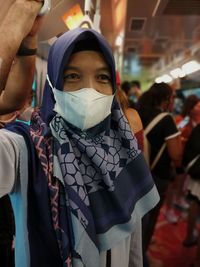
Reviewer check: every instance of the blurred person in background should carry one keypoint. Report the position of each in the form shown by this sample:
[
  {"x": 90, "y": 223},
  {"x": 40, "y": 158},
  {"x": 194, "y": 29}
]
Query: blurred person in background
[
  {"x": 191, "y": 150},
  {"x": 191, "y": 160},
  {"x": 136, "y": 125},
  {"x": 126, "y": 88},
  {"x": 188, "y": 119},
  {"x": 130, "y": 113},
  {"x": 159, "y": 99},
  {"x": 135, "y": 91},
  {"x": 185, "y": 122}
]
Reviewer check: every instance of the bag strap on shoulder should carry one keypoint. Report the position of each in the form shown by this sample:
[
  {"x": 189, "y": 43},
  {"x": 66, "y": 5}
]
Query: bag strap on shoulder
[
  {"x": 153, "y": 123},
  {"x": 149, "y": 127}
]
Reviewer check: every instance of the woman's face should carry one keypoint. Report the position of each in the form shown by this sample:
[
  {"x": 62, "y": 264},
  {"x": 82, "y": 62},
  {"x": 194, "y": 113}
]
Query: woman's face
[
  {"x": 168, "y": 105},
  {"x": 195, "y": 112},
  {"x": 87, "y": 69}
]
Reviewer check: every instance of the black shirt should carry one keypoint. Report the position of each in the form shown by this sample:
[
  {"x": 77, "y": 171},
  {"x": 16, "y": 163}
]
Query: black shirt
[{"x": 163, "y": 130}]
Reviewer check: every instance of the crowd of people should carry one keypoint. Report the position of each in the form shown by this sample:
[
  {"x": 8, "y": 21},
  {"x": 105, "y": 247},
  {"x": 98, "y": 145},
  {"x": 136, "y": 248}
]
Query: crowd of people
[
  {"x": 173, "y": 142},
  {"x": 75, "y": 187}
]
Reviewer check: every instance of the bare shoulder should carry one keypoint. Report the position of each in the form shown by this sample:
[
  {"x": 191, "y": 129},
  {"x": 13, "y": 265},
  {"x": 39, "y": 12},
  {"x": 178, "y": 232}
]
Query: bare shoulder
[{"x": 134, "y": 119}]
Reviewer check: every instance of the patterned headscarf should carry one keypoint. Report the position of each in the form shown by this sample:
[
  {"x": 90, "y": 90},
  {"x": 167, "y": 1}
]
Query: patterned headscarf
[{"x": 99, "y": 184}]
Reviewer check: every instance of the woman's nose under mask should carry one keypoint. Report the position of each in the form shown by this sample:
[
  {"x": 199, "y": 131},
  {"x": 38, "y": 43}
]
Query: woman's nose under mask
[{"x": 84, "y": 108}]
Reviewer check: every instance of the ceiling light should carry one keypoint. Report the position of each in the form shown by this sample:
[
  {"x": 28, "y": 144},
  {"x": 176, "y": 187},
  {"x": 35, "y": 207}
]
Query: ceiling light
[
  {"x": 190, "y": 67},
  {"x": 158, "y": 80},
  {"x": 177, "y": 73},
  {"x": 164, "y": 78}
]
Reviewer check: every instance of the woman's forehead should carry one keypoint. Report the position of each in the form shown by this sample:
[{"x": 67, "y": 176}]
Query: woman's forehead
[{"x": 87, "y": 57}]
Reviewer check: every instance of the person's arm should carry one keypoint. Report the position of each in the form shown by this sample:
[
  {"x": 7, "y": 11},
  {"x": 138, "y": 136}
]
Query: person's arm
[
  {"x": 20, "y": 79},
  {"x": 133, "y": 119},
  {"x": 15, "y": 26},
  {"x": 172, "y": 137},
  {"x": 175, "y": 149}
]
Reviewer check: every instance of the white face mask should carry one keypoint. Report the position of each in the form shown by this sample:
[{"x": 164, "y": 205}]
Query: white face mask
[{"x": 84, "y": 108}]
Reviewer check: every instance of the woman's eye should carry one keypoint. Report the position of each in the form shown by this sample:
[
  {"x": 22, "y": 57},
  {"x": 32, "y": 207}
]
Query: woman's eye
[
  {"x": 71, "y": 77},
  {"x": 105, "y": 78}
]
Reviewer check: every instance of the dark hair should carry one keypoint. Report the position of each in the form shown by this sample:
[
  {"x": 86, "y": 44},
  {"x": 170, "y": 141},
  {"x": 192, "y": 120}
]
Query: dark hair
[
  {"x": 189, "y": 104},
  {"x": 122, "y": 99},
  {"x": 126, "y": 86},
  {"x": 154, "y": 97},
  {"x": 136, "y": 83}
]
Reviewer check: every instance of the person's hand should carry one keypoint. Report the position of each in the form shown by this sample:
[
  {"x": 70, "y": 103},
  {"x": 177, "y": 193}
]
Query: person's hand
[
  {"x": 30, "y": 2},
  {"x": 29, "y": 7},
  {"x": 31, "y": 22},
  {"x": 23, "y": 1}
]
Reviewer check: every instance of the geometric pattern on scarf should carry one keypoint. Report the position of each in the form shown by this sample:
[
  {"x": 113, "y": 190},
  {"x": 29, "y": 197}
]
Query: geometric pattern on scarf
[
  {"x": 91, "y": 163},
  {"x": 43, "y": 143}
]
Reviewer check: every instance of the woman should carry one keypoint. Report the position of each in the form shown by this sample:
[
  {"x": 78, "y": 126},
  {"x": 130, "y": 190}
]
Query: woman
[
  {"x": 191, "y": 152},
  {"x": 157, "y": 100},
  {"x": 189, "y": 115},
  {"x": 185, "y": 122},
  {"x": 88, "y": 185}
]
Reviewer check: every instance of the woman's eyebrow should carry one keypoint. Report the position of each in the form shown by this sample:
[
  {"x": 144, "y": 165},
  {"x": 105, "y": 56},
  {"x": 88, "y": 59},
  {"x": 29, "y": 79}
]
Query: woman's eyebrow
[
  {"x": 71, "y": 68},
  {"x": 103, "y": 69},
  {"x": 68, "y": 68}
]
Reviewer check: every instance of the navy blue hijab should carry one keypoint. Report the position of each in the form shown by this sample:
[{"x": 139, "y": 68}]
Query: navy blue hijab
[
  {"x": 85, "y": 191},
  {"x": 59, "y": 56}
]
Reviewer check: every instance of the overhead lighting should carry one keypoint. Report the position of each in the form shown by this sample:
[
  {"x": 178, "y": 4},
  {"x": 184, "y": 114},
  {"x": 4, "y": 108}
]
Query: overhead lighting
[
  {"x": 186, "y": 69},
  {"x": 167, "y": 78},
  {"x": 177, "y": 73},
  {"x": 190, "y": 67},
  {"x": 158, "y": 80},
  {"x": 164, "y": 78}
]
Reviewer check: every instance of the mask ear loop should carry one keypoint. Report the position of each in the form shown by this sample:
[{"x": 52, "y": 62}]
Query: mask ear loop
[{"x": 49, "y": 82}]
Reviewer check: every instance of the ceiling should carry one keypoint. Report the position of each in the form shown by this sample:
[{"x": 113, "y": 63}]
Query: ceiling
[
  {"x": 113, "y": 15},
  {"x": 157, "y": 33}
]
